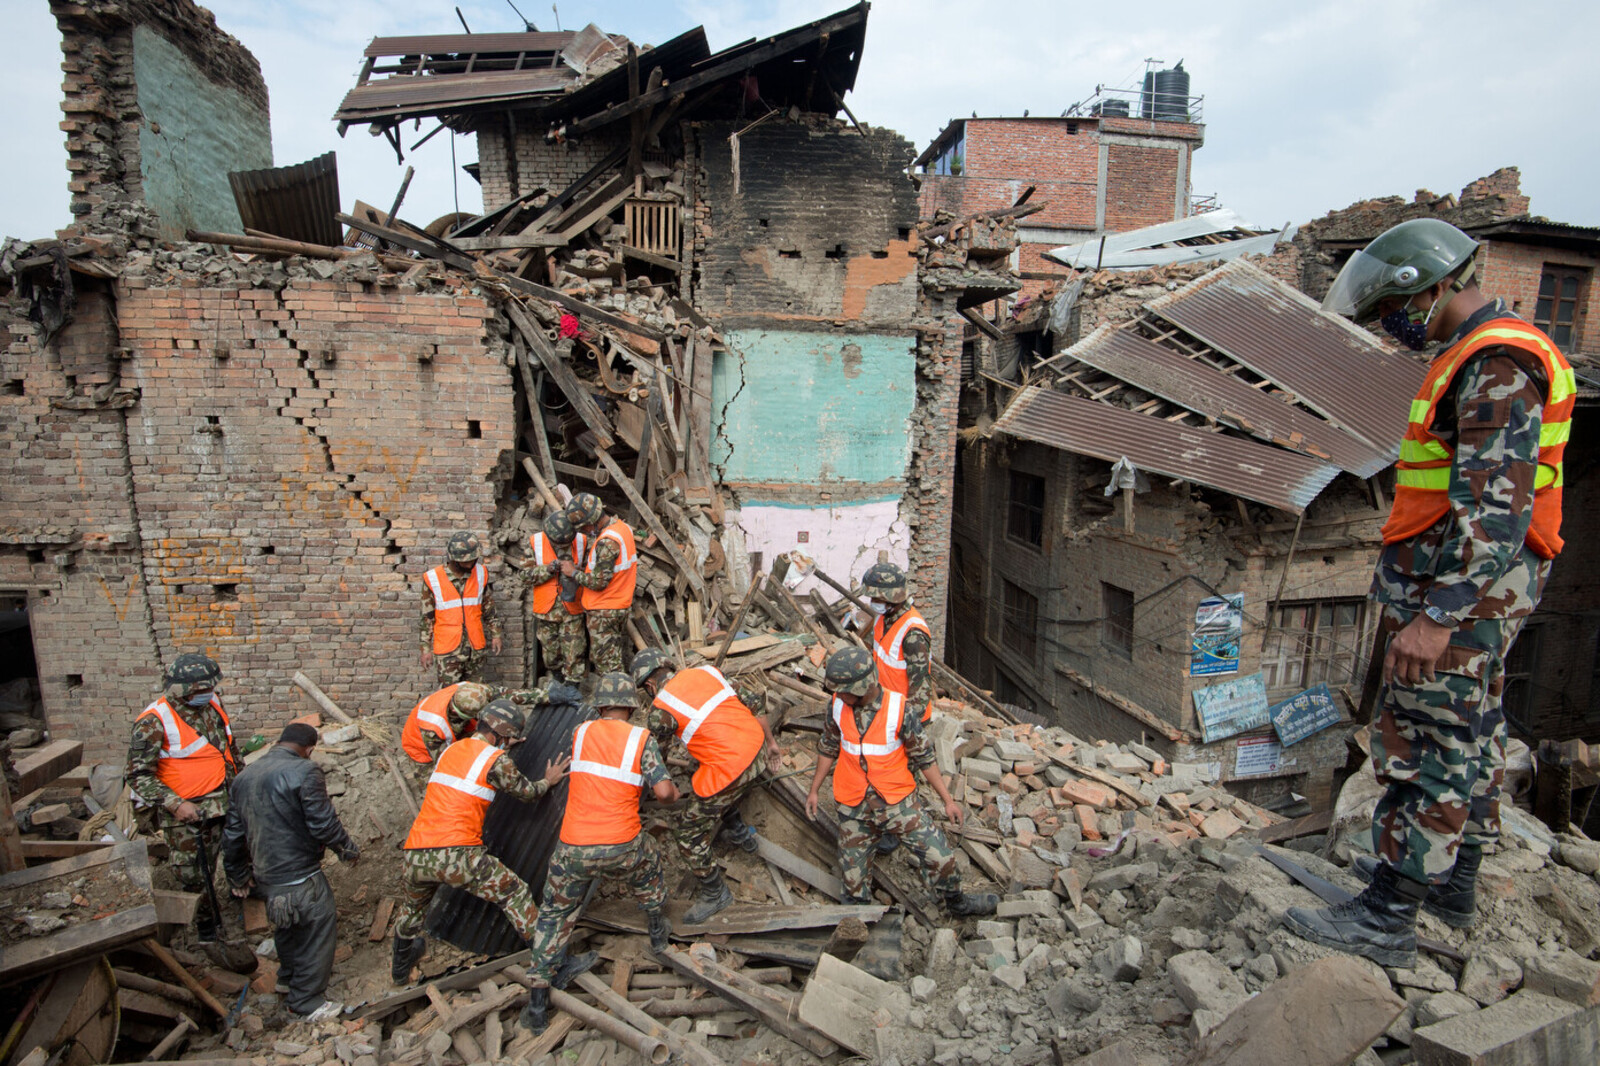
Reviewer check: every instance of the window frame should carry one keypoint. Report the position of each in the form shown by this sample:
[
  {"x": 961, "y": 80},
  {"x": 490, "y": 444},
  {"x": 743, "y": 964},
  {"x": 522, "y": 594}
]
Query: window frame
[
  {"x": 1019, "y": 620},
  {"x": 1547, "y": 309},
  {"x": 1318, "y": 650},
  {"x": 1116, "y": 634},
  {"x": 1016, "y": 506}
]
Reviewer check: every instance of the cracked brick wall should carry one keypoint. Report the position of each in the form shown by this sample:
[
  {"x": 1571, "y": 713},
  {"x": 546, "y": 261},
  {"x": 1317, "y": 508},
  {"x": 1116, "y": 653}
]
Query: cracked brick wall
[{"x": 287, "y": 462}]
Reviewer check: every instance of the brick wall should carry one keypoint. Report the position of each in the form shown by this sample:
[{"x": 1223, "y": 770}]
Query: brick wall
[
  {"x": 1512, "y": 271},
  {"x": 293, "y": 460},
  {"x": 536, "y": 163},
  {"x": 1142, "y": 186}
]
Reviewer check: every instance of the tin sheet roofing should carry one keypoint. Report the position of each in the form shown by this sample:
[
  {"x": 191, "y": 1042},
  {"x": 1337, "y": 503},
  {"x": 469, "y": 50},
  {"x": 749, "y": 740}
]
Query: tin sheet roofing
[
  {"x": 298, "y": 202},
  {"x": 1259, "y": 472},
  {"x": 520, "y": 836},
  {"x": 1198, "y": 387},
  {"x": 1332, "y": 367}
]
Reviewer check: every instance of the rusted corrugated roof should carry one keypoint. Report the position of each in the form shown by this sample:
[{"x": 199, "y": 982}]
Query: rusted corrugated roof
[
  {"x": 1257, "y": 472},
  {"x": 1198, "y": 387},
  {"x": 1329, "y": 365},
  {"x": 520, "y": 836},
  {"x": 297, "y": 202}
]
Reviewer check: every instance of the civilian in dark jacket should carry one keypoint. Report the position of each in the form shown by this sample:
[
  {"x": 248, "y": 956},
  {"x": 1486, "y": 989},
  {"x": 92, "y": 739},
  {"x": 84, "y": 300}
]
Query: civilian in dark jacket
[{"x": 280, "y": 821}]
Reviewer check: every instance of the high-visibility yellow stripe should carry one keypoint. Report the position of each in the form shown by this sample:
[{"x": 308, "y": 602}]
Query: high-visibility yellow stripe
[
  {"x": 1554, "y": 433},
  {"x": 1416, "y": 451},
  {"x": 1419, "y": 410},
  {"x": 1435, "y": 478},
  {"x": 1550, "y": 477},
  {"x": 1565, "y": 384}
]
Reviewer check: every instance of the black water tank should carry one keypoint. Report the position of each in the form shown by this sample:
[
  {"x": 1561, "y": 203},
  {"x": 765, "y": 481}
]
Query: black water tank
[
  {"x": 1114, "y": 108},
  {"x": 1168, "y": 91}
]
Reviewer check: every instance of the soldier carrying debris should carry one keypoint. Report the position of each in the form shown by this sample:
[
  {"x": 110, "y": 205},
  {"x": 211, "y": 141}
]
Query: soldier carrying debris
[
  {"x": 608, "y": 579},
  {"x": 601, "y": 837},
  {"x": 720, "y": 731},
  {"x": 458, "y": 616},
  {"x": 450, "y": 713},
  {"x": 1467, "y": 548},
  {"x": 876, "y": 746},
  {"x": 558, "y": 610},
  {"x": 181, "y": 762},
  {"x": 445, "y": 845}
]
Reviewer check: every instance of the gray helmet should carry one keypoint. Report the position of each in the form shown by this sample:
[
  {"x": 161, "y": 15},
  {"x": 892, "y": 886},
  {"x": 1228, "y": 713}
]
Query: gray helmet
[
  {"x": 585, "y": 509},
  {"x": 471, "y": 697},
  {"x": 558, "y": 527},
  {"x": 1403, "y": 260},
  {"x": 647, "y": 662},
  {"x": 504, "y": 718},
  {"x": 850, "y": 671},
  {"x": 191, "y": 672},
  {"x": 463, "y": 548},
  {"x": 615, "y": 690},
  {"x": 885, "y": 581}
]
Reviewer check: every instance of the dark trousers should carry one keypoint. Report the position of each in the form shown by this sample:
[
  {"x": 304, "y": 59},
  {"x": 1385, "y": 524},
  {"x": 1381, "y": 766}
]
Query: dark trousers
[{"x": 305, "y": 931}]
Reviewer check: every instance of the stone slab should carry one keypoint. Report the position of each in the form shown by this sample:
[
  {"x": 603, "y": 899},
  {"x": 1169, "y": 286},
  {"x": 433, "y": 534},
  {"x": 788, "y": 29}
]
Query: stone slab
[{"x": 1526, "y": 1029}]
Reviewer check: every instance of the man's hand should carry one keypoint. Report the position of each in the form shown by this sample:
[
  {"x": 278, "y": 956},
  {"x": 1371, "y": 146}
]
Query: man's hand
[
  {"x": 955, "y": 812},
  {"x": 495, "y": 645},
  {"x": 427, "y": 657},
  {"x": 1415, "y": 650},
  {"x": 187, "y": 813},
  {"x": 240, "y": 891},
  {"x": 567, "y": 568},
  {"x": 556, "y": 769},
  {"x": 351, "y": 857},
  {"x": 811, "y": 804},
  {"x": 774, "y": 757}
]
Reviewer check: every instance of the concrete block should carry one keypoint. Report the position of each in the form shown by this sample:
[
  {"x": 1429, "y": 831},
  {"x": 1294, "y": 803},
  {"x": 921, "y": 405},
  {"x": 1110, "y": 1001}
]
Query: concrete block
[
  {"x": 989, "y": 928},
  {"x": 1121, "y": 960},
  {"x": 1567, "y": 976},
  {"x": 1440, "y": 1006},
  {"x": 1012, "y": 751},
  {"x": 1022, "y": 908},
  {"x": 942, "y": 952},
  {"x": 1056, "y": 776},
  {"x": 1082, "y": 920},
  {"x": 1526, "y": 1029},
  {"x": 983, "y": 770},
  {"x": 1204, "y": 982},
  {"x": 1489, "y": 977},
  {"x": 1148, "y": 754},
  {"x": 1124, "y": 877},
  {"x": 1012, "y": 977},
  {"x": 923, "y": 989},
  {"x": 1071, "y": 996},
  {"x": 1125, "y": 763}
]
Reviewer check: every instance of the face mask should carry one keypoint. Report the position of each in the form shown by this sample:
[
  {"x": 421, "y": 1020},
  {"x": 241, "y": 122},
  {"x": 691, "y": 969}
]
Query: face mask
[
  {"x": 200, "y": 699},
  {"x": 878, "y": 608}
]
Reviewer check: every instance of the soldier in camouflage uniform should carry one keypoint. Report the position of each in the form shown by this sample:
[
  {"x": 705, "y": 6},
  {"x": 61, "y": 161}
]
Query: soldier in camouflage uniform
[
  {"x": 877, "y": 743},
  {"x": 464, "y": 661},
  {"x": 1468, "y": 548},
  {"x": 445, "y": 845},
  {"x": 601, "y": 837},
  {"x": 170, "y": 787},
  {"x": 560, "y": 629},
  {"x": 903, "y": 645},
  {"x": 733, "y": 746},
  {"x": 608, "y": 580},
  {"x": 461, "y": 715}
]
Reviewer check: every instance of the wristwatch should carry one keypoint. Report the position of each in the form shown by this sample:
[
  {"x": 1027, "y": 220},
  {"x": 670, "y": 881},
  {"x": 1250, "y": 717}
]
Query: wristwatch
[{"x": 1440, "y": 616}]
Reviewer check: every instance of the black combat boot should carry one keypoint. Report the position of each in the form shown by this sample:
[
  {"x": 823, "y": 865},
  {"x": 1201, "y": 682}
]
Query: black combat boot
[
  {"x": 572, "y": 967},
  {"x": 407, "y": 950},
  {"x": 1455, "y": 902},
  {"x": 736, "y": 834},
  {"x": 1381, "y": 923},
  {"x": 205, "y": 926},
  {"x": 536, "y": 1015},
  {"x": 712, "y": 897},
  {"x": 970, "y": 904},
  {"x": 660, "y": 931}
]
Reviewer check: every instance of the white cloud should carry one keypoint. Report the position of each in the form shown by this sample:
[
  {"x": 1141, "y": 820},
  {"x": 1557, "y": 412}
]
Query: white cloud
[{"x": 1308, "y": 107}]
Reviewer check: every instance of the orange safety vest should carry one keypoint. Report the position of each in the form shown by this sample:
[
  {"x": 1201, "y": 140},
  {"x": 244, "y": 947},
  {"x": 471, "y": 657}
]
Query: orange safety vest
[
  {"x": 618, "y": 595},
  {"x": 604, "y": 783},
  {"x": 714, "y": 724},
  {"x": 431, "y": 715},
  {"x": 892, "y": 674},
  {"x": 544, "y": 553},
  {"x": 189, "y": 764},
  {"x": 457, "y": 799},
  {"x": 453, "y": 610},
  {"x": 886, "y": 765},
  {"x": 1422, "y": 476}
]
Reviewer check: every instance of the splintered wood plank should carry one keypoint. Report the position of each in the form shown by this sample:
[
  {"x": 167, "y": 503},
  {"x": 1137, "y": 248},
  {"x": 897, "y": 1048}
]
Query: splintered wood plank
[
  {"x": 41, "y": 766},
  {"x": 380, "y": 919},
  {"x": 736, "y": 918}
]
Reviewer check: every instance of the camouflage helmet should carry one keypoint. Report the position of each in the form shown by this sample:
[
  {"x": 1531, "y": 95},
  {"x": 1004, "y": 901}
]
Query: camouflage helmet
[
  {"x": 463, "y": 548},
  {"x": 647, "y": 662},
  {"x": 886, "y": 582},
  {"x": 470, "y": 697},
  {"x": 558, "y": 527},
  {"x": 503, "y": 717},
  {"x": 615, "y": 690},
  {"x": 585, "y": 510},
  {"x": 191, "y": 672},
  {"x": 850, "y": 671}
]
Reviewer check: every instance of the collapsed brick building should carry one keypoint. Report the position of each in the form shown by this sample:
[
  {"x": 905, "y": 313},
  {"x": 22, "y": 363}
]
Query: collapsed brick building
[{"x": 258, "y": 455}]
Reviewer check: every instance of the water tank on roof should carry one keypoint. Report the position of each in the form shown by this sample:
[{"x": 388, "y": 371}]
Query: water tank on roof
[
  {"x": 1165, "y": 96},
  {"x": 1114, "y": 108}
]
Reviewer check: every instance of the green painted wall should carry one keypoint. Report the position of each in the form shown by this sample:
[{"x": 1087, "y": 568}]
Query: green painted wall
[
  {"x": 814, "y": 406},
  {"x": 194, "y": 132}
]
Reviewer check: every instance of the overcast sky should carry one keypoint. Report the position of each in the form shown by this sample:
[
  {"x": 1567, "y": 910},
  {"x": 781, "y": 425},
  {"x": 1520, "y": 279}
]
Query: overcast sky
[{"x": 1308, "y": 106}]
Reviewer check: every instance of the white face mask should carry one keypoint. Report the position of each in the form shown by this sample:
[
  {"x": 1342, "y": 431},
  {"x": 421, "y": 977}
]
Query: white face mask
[{"x": 878, "y": 607}]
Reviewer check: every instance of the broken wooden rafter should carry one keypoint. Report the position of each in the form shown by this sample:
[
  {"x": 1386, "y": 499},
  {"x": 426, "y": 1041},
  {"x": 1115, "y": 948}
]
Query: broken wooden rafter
[
  {"x": 579, "y": 396},
  {"x": 778, "y": 1010},
  {"x": 690, "y": 573}
]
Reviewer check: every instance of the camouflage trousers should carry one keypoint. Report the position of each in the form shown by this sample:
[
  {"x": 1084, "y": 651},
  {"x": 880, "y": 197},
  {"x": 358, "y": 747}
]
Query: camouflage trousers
[
  {"x": 463, "y": 664},
  {"x": 697, "y": 825},
  {"x": 471, "y": 869},
  {"x": 183, "y": 856},
  {"x": 563, "y": 642},
  {"x": 860, "y": 828},
  {"x": 1440, "y": 752},
  {"x": 566, "y": 882},
  {"x": 609, "y": 647}
]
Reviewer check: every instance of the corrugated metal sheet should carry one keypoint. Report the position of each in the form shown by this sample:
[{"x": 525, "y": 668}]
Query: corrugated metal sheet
[
  {"x": 405, "y": 95},
  {"x": 1257, "y": 472},
  {"x": 297, "y": 202},
  {"x": 520, "y": 836},
  {"x": 1193, "y": 385},
  {"x": 468, "y": 43},
  {"x": 1332, "y": 367}
]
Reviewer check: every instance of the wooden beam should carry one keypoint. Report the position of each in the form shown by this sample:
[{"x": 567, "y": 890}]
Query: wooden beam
[
  {"x": 690, "y": 573},
  {"x": 581, "y": 399},
  {"x": 789, "y": 862},
  {"x": 609, "y": 998},
  {"x": 530, "y": 397},
  {"x": 630, "y": 252},
  {"x": 451, "y": 983},
  {"x": 518, "y": 240},
  {"x": 39, "y": 767},
  {"x": 777, "y": 1011}
]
